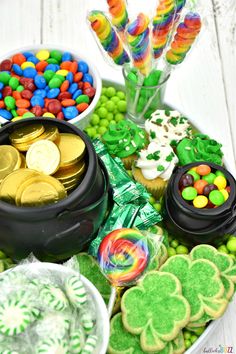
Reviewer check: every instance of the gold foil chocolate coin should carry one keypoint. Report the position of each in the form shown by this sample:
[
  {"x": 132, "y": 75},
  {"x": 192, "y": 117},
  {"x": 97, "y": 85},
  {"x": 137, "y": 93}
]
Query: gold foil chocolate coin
[
  {"x": 69, "y": 173},
  {"x": 10, "y": 160},
  {"x": 13, "y": 181},
  {"x": 26, "y": 132},
  {"x": 39, "y": 191},
  {"x": 72, "y": 149},
  {"x": 51, "y": 133},
  {"x": 43, "y": 156},
  {"x": 23, "y": 161}
]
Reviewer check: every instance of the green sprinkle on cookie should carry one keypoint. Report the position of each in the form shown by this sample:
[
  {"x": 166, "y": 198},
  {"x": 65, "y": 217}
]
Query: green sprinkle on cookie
[
  {"x": 224, "y": 263},
  {"x": 160, "y": 310},
  {"x": 201, "y": 285}
]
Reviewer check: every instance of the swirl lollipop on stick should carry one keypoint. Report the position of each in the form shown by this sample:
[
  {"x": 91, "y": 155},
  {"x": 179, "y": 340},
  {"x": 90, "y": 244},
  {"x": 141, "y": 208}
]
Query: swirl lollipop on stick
[
  {"x": 123, "y": 256},
  {"x": 140, "y": 44},
  {"x": 119, "y": 14},
  {"x": 162, "y": 25},
  {"x": 108, "y": 37},
  {"x": 184, "y": 38}
]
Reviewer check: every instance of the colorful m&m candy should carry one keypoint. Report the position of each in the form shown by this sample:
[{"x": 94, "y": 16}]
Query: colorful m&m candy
[
  {"x": 204, "y": 187},
  {"x": 47, "y": 83}
]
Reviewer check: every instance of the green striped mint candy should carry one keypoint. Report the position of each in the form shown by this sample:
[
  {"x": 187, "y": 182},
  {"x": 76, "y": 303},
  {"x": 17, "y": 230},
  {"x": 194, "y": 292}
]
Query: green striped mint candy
[
  {"x": 75, "y": 291},
  {"x": 87, "y": 322},
  {"x": 15, "y": 317},
  {"x": 54, "y": 297},
  {"x": 77, "y": 341},
  {"x": 8, "y": 352},
  {"x": 53, "y": 345},
  {"x": 90, "y": 344}
]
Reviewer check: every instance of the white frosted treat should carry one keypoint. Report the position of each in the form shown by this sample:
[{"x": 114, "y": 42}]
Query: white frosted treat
[
  {"x": 167, "y": 127},
  {"x": 157, "y": 161}
]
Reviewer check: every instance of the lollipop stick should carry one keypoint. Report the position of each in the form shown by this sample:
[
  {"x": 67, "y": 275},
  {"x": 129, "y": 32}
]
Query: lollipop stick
[
  {"x": 112, "y": 300},
  {"x": 137, "y": 95}
]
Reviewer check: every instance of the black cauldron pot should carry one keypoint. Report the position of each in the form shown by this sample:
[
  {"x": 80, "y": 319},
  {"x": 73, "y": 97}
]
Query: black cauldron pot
[
  {"x": 193, "y": 226},
  {"x": 57, "y": 231}
]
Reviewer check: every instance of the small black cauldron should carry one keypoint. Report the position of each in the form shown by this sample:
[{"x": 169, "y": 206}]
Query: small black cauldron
[
  {"x": 56, "y": 232},
  {"x": 194, "y": 226}
]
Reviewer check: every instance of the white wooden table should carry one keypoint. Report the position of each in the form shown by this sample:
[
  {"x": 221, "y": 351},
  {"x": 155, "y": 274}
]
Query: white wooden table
[{"x": 202, "y": 87}]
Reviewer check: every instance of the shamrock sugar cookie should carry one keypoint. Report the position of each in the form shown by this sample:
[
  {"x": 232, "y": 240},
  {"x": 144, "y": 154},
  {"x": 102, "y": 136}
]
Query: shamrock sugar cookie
[
  {"x": 90, "y": 269},
  {"x": 121, "y": 341},
  {"x": 201, "y": 285},
  {"x": 224, "y": 263},
  {"x": 155, "y": 309},
  {"x": 178, "y": 344}
]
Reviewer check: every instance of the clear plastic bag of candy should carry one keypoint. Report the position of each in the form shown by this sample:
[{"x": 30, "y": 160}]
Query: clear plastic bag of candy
[
  {"x": 125, "y": 255},
  {"x": 46, "y": 307}
]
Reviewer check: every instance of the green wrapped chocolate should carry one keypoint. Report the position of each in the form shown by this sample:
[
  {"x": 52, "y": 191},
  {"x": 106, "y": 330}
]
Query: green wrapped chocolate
[
  {"x": 126, "y": 216},
  {"x": 125, "y": 190}
]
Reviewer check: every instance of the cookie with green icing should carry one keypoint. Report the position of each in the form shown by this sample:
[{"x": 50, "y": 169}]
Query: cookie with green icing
[
  {"x": 123, "y": 342},
  {"x": 90, "y": 269},
  {"x": 124, "y": 139},
  {"x": 224, "y": 263},
  {"x": 155, "y": 309},
  {"x": 201, "y": 285},
  {"x": 199, "y": 148},
  {"x": 178, "y": 344}
]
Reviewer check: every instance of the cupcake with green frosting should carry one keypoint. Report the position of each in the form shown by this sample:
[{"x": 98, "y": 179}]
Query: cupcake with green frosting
[
  {"x": 199, "y": 148},
  {"x": 124, "y": 140}
]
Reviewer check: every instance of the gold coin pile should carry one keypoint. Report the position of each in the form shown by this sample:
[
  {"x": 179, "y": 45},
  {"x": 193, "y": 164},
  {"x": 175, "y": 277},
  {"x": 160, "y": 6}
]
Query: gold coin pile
[{"x": 52, "y": 166}]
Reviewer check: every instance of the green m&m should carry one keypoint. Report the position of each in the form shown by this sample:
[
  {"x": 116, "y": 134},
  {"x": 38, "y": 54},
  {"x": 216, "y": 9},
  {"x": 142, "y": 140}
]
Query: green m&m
[{"x": 189, "y": 193}]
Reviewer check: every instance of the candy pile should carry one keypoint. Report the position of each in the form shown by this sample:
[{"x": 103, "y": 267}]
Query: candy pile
[
  {"x": 203, "y": 187},
  {"x": 46, "y": 83},
  {"x": 139, "y": 45},
  {"x": 53, "y": 165},
  {"x": 110, "y": 109},
  {"x": 187, "y": 315},
  {"x": 54, "y": 313},
  {"x": 147, "y": 38}
]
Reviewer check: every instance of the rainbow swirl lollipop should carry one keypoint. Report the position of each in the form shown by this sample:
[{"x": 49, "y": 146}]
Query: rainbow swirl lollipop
[
  {"x": 123, "y": 256},
  {"x": 186, "y": 34},
  {"x": 162, "y": 25},
  {"x": 108, "y": 37},
  {"x": 139, "y": 42},
  {"x": 119, "y": 14}
]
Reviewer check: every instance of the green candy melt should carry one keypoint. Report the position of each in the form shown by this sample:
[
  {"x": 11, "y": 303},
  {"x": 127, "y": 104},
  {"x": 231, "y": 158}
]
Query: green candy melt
[
  {"x": 189, "y": 193},
  {"x": 216, "y": 197}
]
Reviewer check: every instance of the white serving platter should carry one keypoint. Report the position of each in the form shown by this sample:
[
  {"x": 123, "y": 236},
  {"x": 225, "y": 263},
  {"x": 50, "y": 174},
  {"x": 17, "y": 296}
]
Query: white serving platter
[{"x": 198, "y": 345}]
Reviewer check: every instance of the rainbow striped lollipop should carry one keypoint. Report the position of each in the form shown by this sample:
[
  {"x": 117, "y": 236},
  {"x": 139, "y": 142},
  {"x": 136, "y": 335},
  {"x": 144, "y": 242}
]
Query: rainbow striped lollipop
[
  {"x": 139, "y": 43},
  {"x": 108, "y": 37},
  {"x": 184, "y": 38},
  {"x": 162, "y": 26},
  {"x": 123, "y": 256},
  {"x": 119, "y": 14}
]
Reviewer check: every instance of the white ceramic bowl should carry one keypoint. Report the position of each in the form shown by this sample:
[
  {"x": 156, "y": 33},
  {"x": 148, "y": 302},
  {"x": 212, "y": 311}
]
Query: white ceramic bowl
[
  {"x": 83, "y": 119},
  {"x": 102, "y": 317}
]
